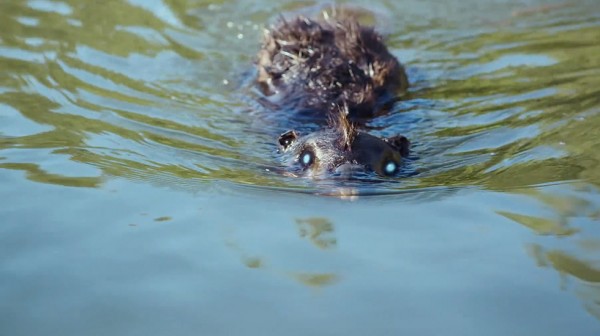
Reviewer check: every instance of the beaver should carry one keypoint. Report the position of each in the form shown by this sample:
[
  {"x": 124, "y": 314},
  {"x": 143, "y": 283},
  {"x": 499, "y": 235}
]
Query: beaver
[
  {"x": 317, "y": 65},
  {"x": 340, "y": 73}
]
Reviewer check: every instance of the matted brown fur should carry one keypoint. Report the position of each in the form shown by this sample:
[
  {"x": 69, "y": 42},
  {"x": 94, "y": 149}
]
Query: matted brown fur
[
  {"x": 323, "y": 63},
  {"x": 339, "y": 121}
]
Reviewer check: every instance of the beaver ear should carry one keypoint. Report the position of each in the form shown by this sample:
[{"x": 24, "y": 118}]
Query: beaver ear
[
  {"x": 399, "y": 143},
  {"x": 287, "y": 138}
]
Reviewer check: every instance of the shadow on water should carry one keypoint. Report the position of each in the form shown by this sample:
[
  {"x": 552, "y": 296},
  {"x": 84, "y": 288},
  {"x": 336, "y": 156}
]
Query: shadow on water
[{"x": 94, "y": 90}]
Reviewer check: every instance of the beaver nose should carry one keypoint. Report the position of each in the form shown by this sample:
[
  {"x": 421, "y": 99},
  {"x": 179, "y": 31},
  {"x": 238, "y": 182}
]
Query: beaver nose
[{"x": 347, "y": 170}]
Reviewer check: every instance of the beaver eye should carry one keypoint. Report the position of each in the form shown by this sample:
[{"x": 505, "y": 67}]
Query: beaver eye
[
  {"x": 390, "y": 168},
  {"x": 307, "y": 158}
]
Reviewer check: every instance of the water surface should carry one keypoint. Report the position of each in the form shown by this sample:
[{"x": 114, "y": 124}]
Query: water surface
[{"x": 138, "y": 199}]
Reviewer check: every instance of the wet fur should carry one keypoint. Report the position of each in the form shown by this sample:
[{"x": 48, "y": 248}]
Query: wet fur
[{"x": 322, "y": 64}]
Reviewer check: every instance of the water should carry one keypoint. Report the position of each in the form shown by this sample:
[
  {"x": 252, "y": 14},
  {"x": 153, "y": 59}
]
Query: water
[{"x": 136, "y": 200}]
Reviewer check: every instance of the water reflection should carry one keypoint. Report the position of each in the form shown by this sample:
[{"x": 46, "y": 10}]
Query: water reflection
[
  {"x": 568, "y": 236},
  {"x": 585, "y": 273},
  {"x": 137, "y": 90},
  {"x": 321, "y": 233},
  {"x": 316, "y": 280},
  {"x": 317, "y": 229},
  {"x": 524, "y": 122},
  {"x": 143, "y": 91}
]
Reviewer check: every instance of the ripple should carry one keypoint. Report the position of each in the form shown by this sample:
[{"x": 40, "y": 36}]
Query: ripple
[
  {"x": 51, "y": 6},
  {"x": 485, "y": 103}
]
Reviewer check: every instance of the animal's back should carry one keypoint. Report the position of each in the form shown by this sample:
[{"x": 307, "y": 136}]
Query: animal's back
[{"x": 320, "y": 64}]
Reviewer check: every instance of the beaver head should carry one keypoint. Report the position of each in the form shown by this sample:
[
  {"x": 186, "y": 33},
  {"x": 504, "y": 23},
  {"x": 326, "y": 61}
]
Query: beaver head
[
  {"x": 342, "y": 150},
  {"x": 318, "y": 64}
]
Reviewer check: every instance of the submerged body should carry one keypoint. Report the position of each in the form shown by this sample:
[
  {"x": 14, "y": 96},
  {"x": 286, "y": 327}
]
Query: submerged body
[{"x": 339, "y": 73}]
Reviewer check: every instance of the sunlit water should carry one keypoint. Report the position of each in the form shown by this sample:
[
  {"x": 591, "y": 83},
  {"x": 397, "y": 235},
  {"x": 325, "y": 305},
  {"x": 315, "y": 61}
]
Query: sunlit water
[{"x": 139, "y": 195}]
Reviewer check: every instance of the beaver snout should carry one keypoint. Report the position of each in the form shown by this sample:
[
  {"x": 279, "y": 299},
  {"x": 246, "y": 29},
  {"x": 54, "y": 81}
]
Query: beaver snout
[{"x": 349, "y": 170}]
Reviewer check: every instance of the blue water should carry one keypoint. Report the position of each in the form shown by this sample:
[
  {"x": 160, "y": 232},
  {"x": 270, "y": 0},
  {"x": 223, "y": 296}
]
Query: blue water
[{"x": 135, "y": 199}]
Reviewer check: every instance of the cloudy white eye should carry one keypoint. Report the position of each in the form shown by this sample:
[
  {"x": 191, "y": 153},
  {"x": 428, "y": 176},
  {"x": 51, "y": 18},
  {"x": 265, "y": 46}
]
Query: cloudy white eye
[
  {"x": 307, "y": 158},
  {"x": 390, "y": 168}
]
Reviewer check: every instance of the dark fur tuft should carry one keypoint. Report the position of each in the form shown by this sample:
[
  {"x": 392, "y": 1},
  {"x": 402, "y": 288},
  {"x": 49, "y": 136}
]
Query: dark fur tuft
[{"x": 320, "y": 64}]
